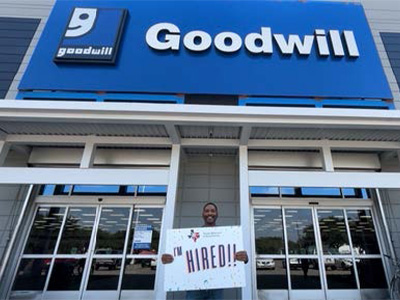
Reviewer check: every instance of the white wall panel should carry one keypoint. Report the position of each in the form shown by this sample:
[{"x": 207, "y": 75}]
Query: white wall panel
[
  {"x": 129, "y": 157},
  {"x": 312, "y": 160}
]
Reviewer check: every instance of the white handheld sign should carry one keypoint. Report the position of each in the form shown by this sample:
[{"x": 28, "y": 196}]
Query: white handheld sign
[{"x": 204, "y": 258}]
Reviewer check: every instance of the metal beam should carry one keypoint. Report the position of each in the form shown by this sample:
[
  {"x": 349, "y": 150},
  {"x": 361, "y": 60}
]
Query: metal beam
[
  {"x": 232, "y": 143},
  {"x": 141, "y": 113},
  {"x": 82, "y": 139},
  {"x": 315, "y": 144},
  {"x": 173, "y": 133},
  {"x": 324, "y": 179},
  {"x": 83, "y": 176},
  {"x": 245, "y": 135}
]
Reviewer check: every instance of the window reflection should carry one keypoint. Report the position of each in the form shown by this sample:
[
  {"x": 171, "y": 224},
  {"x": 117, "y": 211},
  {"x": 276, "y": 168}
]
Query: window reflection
[
  {"x": 333, "y": 232},
  {"x": 145, "y": 231},
  {"x": 104, "y": 274},
  {"x": 46, "y": 227},
  {"x": 269, "y": 231},
  {"x": 112, "y": 230},
  {"x": 66, "y": 275},
  {"x": 77, "y": 230},
  {"x": 371, "y": 274},
  {"x": 271, "y": 274},
  {"x": 340, "y": 273},
  {"x": 362, "y": 232},
  {"x": 31, "y": 274},
  {"x": 300, "y": 231},
  {"x": 139, "y": 274},
  {"x": 304, "y": 274}
]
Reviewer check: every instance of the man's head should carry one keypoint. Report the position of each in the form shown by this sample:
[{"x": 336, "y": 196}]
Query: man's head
[{"x": 210, "y": 214}]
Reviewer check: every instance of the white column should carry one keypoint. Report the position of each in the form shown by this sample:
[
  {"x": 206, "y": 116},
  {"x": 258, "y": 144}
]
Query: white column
[
  {"x": 88, "y": 155},
  {"x": 248, "y": 292},
  {"x": 327, "y": 160},
  {"x": 4, "y": 149},
  {"x": 168, "y": 219}
]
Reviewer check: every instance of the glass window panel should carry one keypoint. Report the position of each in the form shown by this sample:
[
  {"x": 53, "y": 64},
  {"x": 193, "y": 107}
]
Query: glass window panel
[
  {"x": 349, "y": 193},
  {"x": 152, "y": 189},
  {"x": 104, "y": 274},
  {"x": 139, "y": 274},
  {"x": 95, "y": 189},
  {"x": 321, "y": 192},
  {"x": 77, "y": 230},
  {"x": 362, "y": 232},
  {"x": 47, "y": 189},
  {"x": 62, "y": 189},
  {"x": 304, "y": 274},
  {"x": 271, "y": 274},
  {"x": 340, "y": 273},
  {"x": 355, "y": 193},
  {"x": 112, "y": 230},
  {"x": 45, "y": 229},
  {"x": 131, "y": 189},
  {"x": 264, "y": 191},
  {"x": 148, "y": 222},
  {"x": 31, "y": 274},
  {"x": 66, "y": 275},
  {"x": 300, "y": 231},
  {"x": 288, "y": 191},
  {"x": 268, "y": 230},
  {"x": 333, "y": 231},
  {"x": 371, "y": 274}
]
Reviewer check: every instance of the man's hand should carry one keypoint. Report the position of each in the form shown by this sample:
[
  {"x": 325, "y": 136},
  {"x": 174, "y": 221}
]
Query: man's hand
[
  {"x": 242, "y": 256},
  {"x": 167, "y": 258}
]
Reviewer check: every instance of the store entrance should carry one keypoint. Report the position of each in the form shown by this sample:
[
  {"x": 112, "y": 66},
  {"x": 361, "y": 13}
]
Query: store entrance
[
  {"x": 313, "y": 252},
  {"x": 89, "y": 252}
]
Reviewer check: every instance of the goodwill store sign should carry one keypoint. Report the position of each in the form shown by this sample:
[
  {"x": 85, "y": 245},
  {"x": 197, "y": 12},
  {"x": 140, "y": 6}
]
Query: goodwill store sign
[
  {"x": 204, "y": 258},
  {"x": 265, "y": 48}
]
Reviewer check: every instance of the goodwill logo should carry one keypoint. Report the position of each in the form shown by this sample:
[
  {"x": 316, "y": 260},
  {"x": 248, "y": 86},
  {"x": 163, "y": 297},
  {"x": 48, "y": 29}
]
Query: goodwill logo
[{"x": 92, "y": 35}]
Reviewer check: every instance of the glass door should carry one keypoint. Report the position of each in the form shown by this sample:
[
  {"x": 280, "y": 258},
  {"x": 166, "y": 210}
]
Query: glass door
[
  {"x": 89, "y": 252},
  {"x": 302, "y": 257},
  {"x": 105, "y": 268},
  {"x": 318, "y": 253}
]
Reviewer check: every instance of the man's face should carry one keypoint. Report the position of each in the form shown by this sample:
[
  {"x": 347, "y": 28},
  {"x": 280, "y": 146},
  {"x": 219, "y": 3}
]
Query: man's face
[{"x": 210, "y": 215}]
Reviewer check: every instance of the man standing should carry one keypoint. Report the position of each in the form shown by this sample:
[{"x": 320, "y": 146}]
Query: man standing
[{"x": 210, "y": 215}]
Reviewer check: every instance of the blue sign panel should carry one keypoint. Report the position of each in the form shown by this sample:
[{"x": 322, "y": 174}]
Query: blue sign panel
[
  {"x": 92, "y": 35},
  {"x": 254, "y": 48}
]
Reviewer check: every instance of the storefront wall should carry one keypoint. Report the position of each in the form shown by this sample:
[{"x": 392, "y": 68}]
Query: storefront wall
[{"x": 214, "y": 173}]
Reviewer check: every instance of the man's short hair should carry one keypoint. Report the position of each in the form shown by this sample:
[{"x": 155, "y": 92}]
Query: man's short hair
[{"x": 211, "y": 203}]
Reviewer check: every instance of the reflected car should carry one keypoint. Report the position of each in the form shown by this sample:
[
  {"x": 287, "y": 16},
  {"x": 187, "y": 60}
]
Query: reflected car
[
  {"x": 109, "y": 263},
  {"x": 263, "y": 263},
  {"x": 344, "y": 263},
  {"x": 294, "y": 263},
  {"x": 330, "y": 263}
]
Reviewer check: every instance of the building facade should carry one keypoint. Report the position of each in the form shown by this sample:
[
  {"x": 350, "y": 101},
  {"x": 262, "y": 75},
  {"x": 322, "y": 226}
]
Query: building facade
[{"x": 307, "y": 163}]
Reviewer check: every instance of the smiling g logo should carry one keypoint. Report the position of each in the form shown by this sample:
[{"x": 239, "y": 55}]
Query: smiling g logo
[
  {"x": 82, "y": 21},
  {"x": 92, "y": 35}
]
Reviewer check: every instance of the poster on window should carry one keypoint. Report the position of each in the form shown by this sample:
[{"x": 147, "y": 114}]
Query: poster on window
[
  {"x": 142, "y": 237},
  {"x": 204, "y": 258}
]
